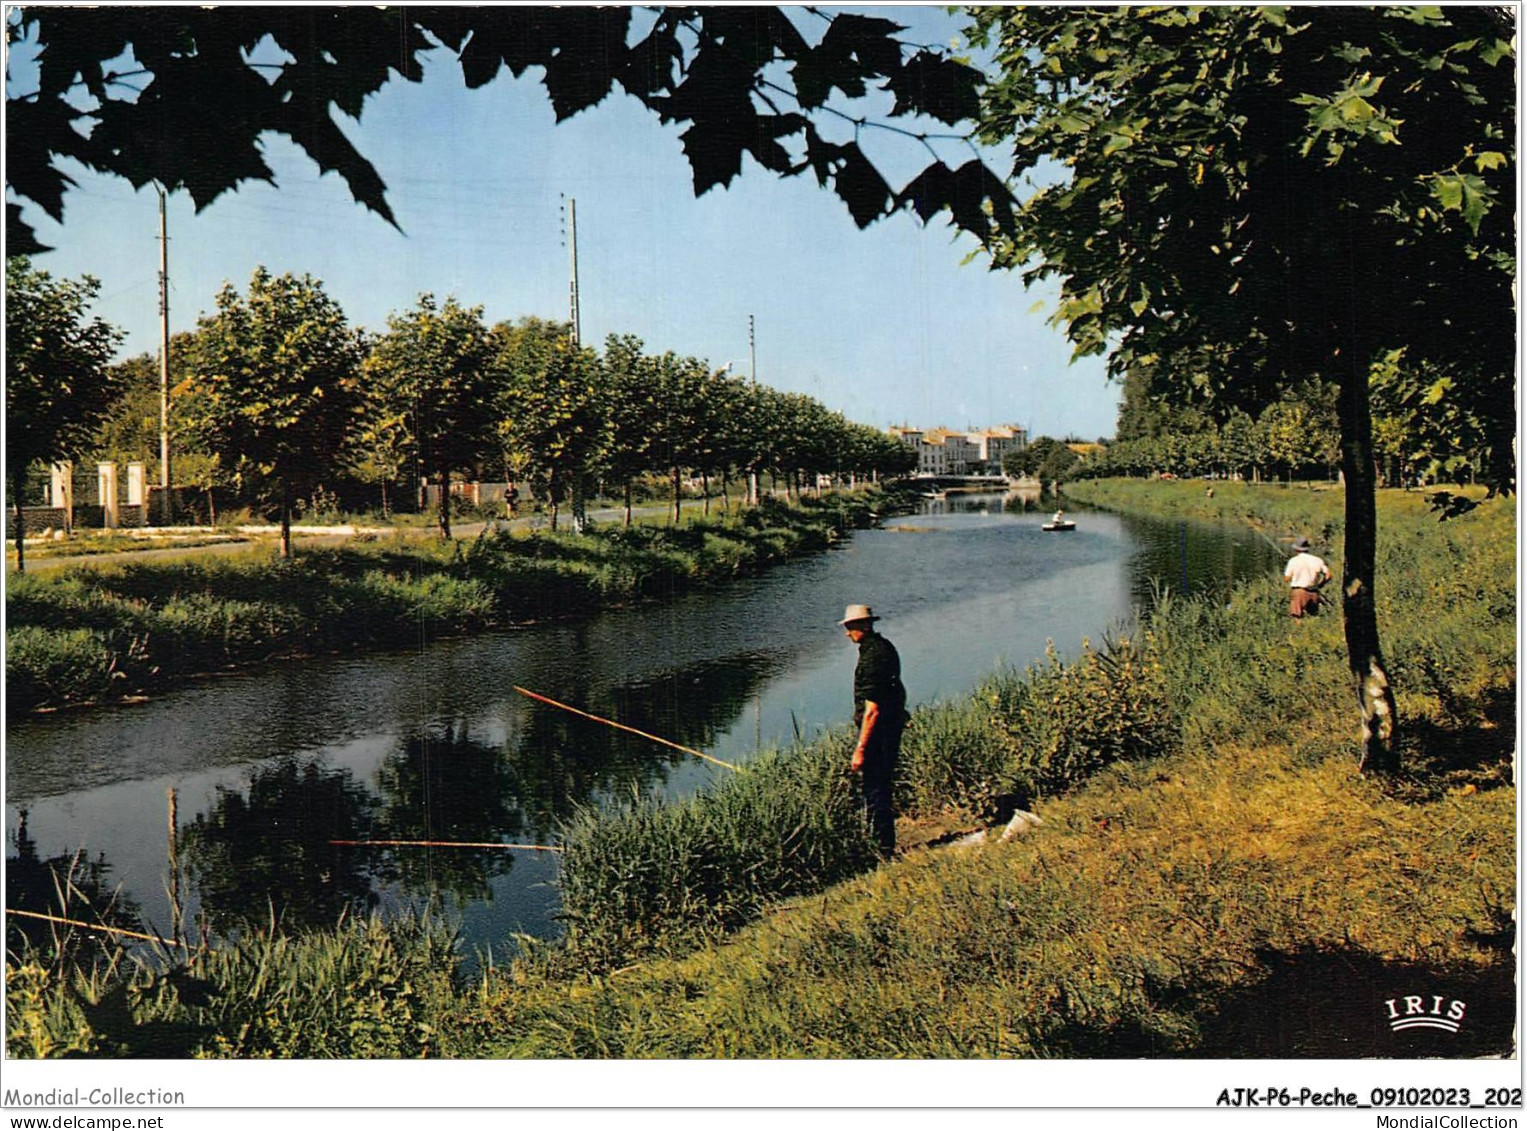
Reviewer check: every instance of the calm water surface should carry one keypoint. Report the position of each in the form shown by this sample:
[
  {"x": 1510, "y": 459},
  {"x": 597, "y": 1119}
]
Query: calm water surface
[{"x": 434, "y": 744}]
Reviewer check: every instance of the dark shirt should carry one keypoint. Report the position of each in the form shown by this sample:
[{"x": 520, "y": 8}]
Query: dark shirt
[{"x": 877, "y": 679}]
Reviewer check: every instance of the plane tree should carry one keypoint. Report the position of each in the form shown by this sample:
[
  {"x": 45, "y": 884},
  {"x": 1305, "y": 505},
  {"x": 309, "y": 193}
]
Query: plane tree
[
  {"x": 627, "y": 379},
  {"x": 431, "y": 383},
  {"x": 60, "y": 386},
  {"x": 273, "y": 389},
  {"x": 551, "y": 409},
  {"x": 1252, "y": 197},
  {"x": 680, "y": 411}
]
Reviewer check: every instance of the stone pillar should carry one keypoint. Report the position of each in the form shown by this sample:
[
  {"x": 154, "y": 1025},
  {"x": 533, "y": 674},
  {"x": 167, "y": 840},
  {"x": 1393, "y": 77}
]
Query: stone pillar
[
  {"x": 61, "y": 491},
  {"x": 137, "y": 485},
  {"x": 111, "y": 515}
]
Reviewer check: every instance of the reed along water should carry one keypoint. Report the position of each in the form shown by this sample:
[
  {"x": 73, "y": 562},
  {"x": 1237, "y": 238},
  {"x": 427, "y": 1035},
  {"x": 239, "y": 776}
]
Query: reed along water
[{"x": 271, "y": 766}]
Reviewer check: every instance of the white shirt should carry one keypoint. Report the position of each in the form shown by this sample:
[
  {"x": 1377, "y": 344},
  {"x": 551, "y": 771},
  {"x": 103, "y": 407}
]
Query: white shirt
[{"x": 1304, "y": 571}]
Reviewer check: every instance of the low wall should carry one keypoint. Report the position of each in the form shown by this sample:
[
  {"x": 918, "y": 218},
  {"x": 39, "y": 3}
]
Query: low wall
[{"x": 37, "y": 519}]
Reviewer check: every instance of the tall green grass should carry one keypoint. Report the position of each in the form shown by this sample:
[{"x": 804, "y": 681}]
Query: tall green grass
[
  {"x": 651, "y": 873},
  {"x": 1171, "y": 908},
  {"x": 363, "y": 989}
]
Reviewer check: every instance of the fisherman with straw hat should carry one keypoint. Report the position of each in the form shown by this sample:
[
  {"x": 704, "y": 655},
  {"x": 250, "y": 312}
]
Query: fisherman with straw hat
[
  {"x": 880, "y": 714},
  {"x": 1305, "y": 573}
]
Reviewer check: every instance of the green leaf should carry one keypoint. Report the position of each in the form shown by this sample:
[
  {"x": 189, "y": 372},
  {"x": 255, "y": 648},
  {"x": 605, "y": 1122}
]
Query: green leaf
[
  {"x": 1448, "y": 191},
  {"x": 1356, "y": 109},
  {"x": 1466, "y": 193},
  {"x": 1437, "y": 390},
  {"x": 1493, "y": 53},
  {"x": 1490, "y": 159},
  {"x": 1477, "y": 199}
]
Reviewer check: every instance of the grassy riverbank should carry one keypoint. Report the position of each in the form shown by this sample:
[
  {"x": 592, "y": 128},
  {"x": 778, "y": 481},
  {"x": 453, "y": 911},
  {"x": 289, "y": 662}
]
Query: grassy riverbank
[
  {"x": 1208, "y": 860},
  {"x": 95, "y": 633}
]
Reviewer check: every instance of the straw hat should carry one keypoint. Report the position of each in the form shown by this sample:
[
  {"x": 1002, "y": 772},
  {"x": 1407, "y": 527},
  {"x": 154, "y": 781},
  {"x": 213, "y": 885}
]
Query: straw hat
[{"x": 857, "y": 613}]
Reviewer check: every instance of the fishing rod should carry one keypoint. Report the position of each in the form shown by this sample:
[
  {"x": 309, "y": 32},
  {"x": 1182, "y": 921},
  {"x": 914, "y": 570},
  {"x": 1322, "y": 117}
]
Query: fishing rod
[
  {"x": 95, "y": 927},
  {"x": 622, "y": 726},
  {"x": 449, "y": 844}
]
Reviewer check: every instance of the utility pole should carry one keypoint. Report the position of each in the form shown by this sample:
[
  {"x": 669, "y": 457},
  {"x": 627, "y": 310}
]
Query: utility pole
[
  {"x": 572, "y": 231},
  {"x": 164, "y": 366},
  {"x": 753, "y": 377},
  {"x": 580, "y": 514}
]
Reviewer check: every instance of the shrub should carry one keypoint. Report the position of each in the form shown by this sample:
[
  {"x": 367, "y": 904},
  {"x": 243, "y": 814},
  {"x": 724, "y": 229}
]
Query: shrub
[
  {"x": 1062, "y": 723},
  {"x": 43, "y": 1017},
  {"x": 205, "y": 631},
  {"x": 951, "y": 758},
  {"x": 50, "y": 666}
]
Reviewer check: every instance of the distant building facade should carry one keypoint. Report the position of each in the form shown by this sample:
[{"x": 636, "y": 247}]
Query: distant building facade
[{"x": 943, "y": 451}]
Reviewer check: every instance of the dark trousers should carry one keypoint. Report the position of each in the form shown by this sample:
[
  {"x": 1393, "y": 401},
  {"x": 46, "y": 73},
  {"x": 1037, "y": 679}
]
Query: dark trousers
[{"x": 878, "y": 774}]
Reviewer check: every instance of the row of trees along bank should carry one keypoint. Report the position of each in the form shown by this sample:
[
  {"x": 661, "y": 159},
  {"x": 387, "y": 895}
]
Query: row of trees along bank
[
  {"x": 278, "y": 397},
  {"x": 1420, "y": 434}
]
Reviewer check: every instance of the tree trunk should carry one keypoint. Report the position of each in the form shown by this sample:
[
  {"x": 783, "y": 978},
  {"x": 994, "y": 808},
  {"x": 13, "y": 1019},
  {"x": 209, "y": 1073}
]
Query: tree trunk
[
  {"x": 21, "y": 531},
  {"x": 705, "y": 489},
  {"x": 579, "y": 503},
  {"x": 384, "y": 498},
  {"x": 677, "y": 495},
  {"x": 445, "y": 504},
  {"x": 286, "y": 521},
  {"x": 1359, "y": 609},
  {"x": 628, "y": 502}
]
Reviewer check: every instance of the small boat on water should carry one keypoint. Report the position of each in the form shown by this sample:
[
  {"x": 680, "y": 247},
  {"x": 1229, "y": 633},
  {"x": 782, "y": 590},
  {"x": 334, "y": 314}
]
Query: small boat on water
[
  {"x": 934, "y": 494},
  {"x": 1063, "y": 524}
]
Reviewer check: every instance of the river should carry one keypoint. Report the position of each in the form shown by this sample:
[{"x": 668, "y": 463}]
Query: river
[{"x": 271, "y": 766}]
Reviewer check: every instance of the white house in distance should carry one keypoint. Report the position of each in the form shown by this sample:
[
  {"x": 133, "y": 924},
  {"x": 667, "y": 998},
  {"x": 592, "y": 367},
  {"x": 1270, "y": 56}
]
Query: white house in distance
[{"x": 942, "y": 451}]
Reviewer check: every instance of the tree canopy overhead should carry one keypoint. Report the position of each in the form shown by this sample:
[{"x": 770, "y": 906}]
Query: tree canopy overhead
[
  {"x": 1258, "y": 195},
  {"x": 181, "y": 95}
]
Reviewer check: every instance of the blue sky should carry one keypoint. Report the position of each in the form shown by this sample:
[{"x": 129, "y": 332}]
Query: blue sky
[{"x": 887, "y": 325}]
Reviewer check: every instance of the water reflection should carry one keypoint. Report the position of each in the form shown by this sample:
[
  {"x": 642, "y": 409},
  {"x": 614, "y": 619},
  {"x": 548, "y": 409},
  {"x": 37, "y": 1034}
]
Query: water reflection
[
  {"x": 693, "y": 704},
  {"x": 64, "y": 886},
  {"x": 1194, "y": 558},
  {"x": 443, "y": 785},
  {"x": 265, "y": 852}
]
